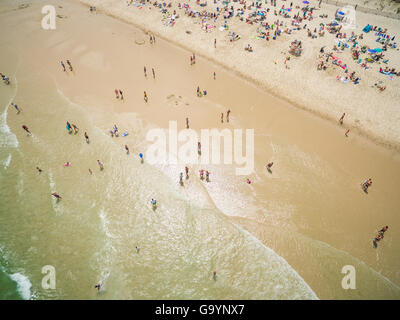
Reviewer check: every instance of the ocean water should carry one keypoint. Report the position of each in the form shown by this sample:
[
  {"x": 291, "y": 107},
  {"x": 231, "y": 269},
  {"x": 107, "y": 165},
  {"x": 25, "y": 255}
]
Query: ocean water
[{"x": 92, "y": 233}]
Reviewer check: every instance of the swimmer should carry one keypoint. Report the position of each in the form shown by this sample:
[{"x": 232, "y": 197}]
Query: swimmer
[
  {"x": 86, "y": 137},
  {"x": 26, "y": 129},
  {"x": 100, "y": 164},
  {"x": 39, "y": 170}
]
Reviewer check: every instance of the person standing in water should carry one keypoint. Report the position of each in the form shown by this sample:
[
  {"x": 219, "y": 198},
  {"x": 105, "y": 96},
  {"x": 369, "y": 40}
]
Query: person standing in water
[
  {"x": 137, "y": 249},
  {"x": 100, "y": 165},
  {"x": 56, "y": 195},
  {"x": 86, "y": 137},
  {"x": 63, "y": 65},
  {"x": 98, "y": 286},
  {"x": 26, "y": 129}
]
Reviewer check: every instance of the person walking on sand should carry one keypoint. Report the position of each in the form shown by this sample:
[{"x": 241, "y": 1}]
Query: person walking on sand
[
  {"x": 16, "y": 107},
  {"x": 145, "y": 73},
  {"x": 154, "y": 74},
  {"x": 63, "y": 65},
  {"x": 145, "y": 97},
  {"x": 137, "y": 249},
  {"x": 191, "y": 60},
  {"x": 341, "y": 118},
  {"x": 215, "y": 275},
  {"x": 187, "y": 123},
  {"x": 86, "y": 137},
  {"x": 39, "y": 170},
  {"x": 100, "y": 165},
  {"x": 207, "y": 176},
  {"x": 215, "y": 43},
  {"x": 70, "y": 65},
  {"x": 26, "y": 129},
  {"x": 269, "y": 166},
  {"x": 122, "y": 96},
  {"x": 181, "y": 179},
  {"x": 222, "y": 117},
  {"x": 227, "y": 115},
  {"x": 201, "y": 174},
  {"x": 127, "y": 149},
  {"x": 347, "y": 133},
  {"x": 214, "y": 75},
  {"x": 199, "y": 147},
  {"x": 187, "y": 172},
  {"x": 116, "y": 93},
  {"x": 90, "y": 171}
]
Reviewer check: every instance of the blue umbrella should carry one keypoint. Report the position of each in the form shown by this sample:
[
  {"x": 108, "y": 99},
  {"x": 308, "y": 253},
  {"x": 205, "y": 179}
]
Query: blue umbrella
[
  {"x": 341, "y": 13},
  {"x": 306, "y": 2},
  {"x": 371, "y": 51}
]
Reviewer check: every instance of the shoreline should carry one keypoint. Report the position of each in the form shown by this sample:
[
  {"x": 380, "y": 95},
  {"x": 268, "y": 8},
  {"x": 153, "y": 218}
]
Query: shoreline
[{"x": 390, "y": 143}]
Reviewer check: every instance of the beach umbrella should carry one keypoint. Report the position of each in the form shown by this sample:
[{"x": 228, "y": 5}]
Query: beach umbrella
[
  {"x": 378, "y": 50},
  {"x": 341, "y": 13},
  {"x": 305, "y": 2},
  {"x": 371, "y": 51}
]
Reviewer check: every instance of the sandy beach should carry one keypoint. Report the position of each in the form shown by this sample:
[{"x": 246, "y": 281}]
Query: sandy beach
[{"x": 287, "y": 235}]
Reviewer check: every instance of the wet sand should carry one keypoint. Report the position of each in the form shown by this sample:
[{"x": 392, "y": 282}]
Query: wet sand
[{"x": 310, "y": 210}]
